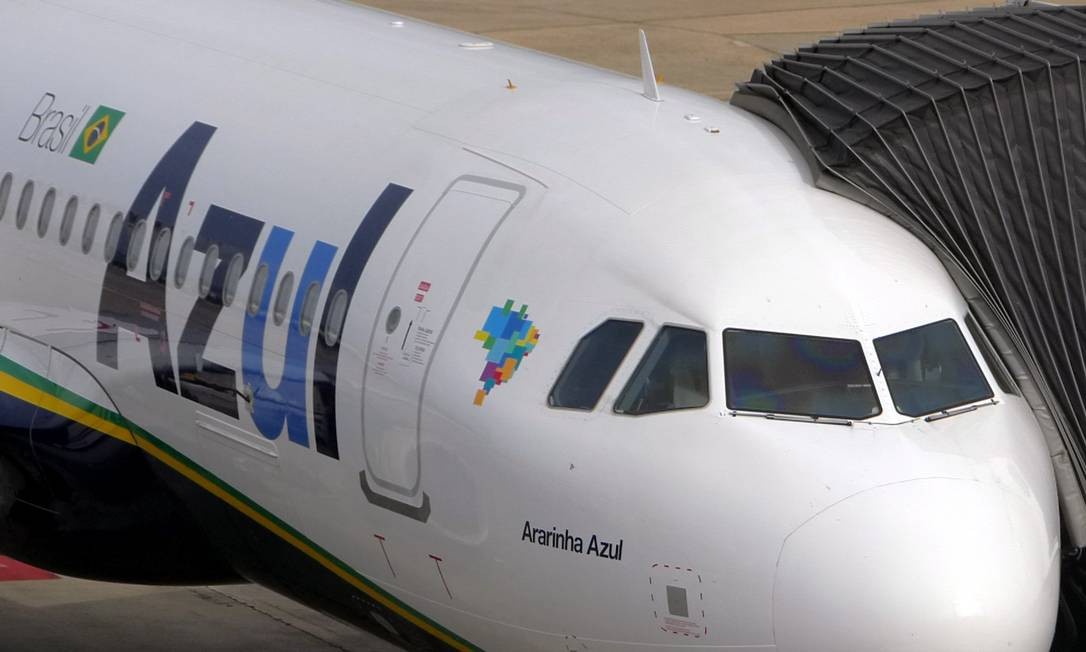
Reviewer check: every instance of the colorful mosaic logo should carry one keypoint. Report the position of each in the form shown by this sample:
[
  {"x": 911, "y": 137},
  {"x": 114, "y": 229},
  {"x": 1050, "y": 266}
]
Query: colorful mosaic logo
[{"x": 508, "y": 336}]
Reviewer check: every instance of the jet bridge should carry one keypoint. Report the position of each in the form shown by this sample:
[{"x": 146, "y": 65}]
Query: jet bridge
[{"x": 969, "y": 129}]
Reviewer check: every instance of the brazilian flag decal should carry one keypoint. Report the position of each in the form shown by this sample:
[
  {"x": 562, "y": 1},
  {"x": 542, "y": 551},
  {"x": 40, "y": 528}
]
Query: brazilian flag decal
[{"x": 95, "y": 135}]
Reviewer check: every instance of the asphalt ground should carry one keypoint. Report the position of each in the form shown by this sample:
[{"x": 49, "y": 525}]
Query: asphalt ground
[
  {"x": 703, "y": 45},
  {"x": 40, "y": 612}
]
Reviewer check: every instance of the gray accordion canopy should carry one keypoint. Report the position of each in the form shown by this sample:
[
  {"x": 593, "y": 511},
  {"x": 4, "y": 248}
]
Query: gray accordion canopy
[{"x": 969, "y": 129}]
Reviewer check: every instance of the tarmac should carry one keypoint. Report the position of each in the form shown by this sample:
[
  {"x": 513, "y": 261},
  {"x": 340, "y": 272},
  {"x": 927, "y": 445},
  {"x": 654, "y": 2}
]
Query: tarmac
[
  {"x": 49, "y": 613},
  {"x": 703, "y": 45}
]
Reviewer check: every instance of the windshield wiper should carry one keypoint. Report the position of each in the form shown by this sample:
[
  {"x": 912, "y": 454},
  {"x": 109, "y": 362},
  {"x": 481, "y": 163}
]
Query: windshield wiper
[
  {"x": 945, "y": 414},
  {"x": 798, "y": 418}
]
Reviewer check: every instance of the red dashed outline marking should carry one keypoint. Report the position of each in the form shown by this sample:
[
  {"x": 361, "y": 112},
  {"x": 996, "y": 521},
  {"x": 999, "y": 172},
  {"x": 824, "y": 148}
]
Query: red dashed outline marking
[{"x": 701, "y": 598}]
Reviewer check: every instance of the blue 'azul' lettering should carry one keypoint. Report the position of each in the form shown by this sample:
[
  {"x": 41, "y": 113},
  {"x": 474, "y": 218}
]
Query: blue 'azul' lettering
[{"x": 286, "y": 401}]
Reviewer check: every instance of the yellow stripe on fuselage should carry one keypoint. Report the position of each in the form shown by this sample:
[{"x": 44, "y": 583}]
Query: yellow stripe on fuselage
[{"x": 43, "y": 400}]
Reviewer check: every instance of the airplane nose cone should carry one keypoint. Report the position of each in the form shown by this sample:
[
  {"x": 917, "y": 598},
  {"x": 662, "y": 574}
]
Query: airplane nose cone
[{"x": 924, "y": 566}]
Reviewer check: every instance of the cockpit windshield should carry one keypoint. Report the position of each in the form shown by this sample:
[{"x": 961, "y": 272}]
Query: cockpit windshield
[
  {"x": 673, "y": 375},
  {"x": 798, "y": 374},
  {"x": 930, "y": 369}
]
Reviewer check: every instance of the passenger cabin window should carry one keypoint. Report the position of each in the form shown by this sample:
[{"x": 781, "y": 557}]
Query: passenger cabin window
[
  {"x": 309, "y": 308},
  {"x": 930, "y": 369},
  {"x": 778, "y": 373},
  {"x": 90, "y": 228},
  {"x": 233, "y": 277},
  {"x": 135, "y": 245},
  {"x": 113, "y": 237},
  {"x": 282, "y": 299},
  {"x": 23, "y": 211},
  {"x": 67, "y": 222},
  {"x": 45, "y": 215},
  {"x": 337, "y": 314},
  {"x": 207, "y": 273},
  {"x": 673, "y": 375},
  {"x": 593, "y": 364},
  {"x": 184, "y": 259},
  {"x": 160, "y": 252},
  {"x": 256, "y": 293},
  {"x": 5, "y": 193}
]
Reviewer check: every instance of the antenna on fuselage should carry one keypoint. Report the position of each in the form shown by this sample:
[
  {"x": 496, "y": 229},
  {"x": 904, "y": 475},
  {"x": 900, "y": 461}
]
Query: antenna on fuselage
[{"x": 648, "y": 75}]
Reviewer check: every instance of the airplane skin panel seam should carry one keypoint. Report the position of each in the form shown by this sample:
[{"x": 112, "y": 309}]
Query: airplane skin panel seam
[
  {"x": 38, "y": 393},
  {"x": 472, "y": 147}
]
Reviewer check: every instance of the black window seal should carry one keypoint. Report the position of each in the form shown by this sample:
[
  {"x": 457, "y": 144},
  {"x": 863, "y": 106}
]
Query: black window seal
[
  {"x": 972, "y": 356},
  {"x": 610, "y": 381},
  {"x": 866, "y": 365}
]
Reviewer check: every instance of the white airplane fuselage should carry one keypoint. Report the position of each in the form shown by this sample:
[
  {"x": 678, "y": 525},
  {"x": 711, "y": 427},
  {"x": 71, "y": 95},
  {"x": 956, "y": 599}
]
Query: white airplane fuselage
[{"x": 396, "y": 466}]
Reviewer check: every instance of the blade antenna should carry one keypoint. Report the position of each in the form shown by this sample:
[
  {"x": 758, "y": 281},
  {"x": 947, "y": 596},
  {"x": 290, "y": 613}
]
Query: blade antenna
[{"x": 648, "y": 75}]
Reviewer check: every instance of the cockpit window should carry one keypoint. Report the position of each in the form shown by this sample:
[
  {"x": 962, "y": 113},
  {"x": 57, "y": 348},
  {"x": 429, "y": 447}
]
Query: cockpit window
[
  {"x": 798, "y": 374},
  {"x": 930, "y": 368},
  {"x": 593, "y": 364},
  {"x": 999, "y": 370},
  {"x": 673, "y": 375}
]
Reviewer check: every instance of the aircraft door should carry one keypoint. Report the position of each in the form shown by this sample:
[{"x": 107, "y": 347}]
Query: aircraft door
[{"x": 418, "y": 303}]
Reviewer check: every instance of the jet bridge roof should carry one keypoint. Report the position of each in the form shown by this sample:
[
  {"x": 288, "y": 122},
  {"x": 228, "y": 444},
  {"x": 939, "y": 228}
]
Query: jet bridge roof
[{"x": 970, "y": 130}]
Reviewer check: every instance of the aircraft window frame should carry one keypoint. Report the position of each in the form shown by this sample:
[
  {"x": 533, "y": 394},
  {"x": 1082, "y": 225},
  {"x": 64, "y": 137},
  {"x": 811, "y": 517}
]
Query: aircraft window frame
[
  {"x": 113, "y": 237},
  {"x": 45, "y": 213},
  {"x": 1003, "y": 377},
  {"x": 22, "y": 211},
  {"x": 282, "y": 299},
  {"x": 160, "y": 254},
  {"x": 90, "y": 228},
  {"x": 860, "y": 362},
  {"x": 135, "y": 245},
  {"x": 5, "y": 193},
  {"x": 184, "y": 260},
  {"x": 310, "y": 301},
  {"x": 256, "y": 290},
  {"x": 970, "y": 356},
  {"x": 336, "y": 317},
  {"x": 234, "y": 272},
  {"x": 67, "y": 221},
  {"x": 647, "y": 367},
  {"x": 207, "y": 271},
  {"x": 585, "y": 359}
]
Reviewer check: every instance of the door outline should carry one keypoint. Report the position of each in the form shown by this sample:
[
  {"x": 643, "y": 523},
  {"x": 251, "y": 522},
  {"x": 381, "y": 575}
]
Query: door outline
[{"x": 368, "y": 474}]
